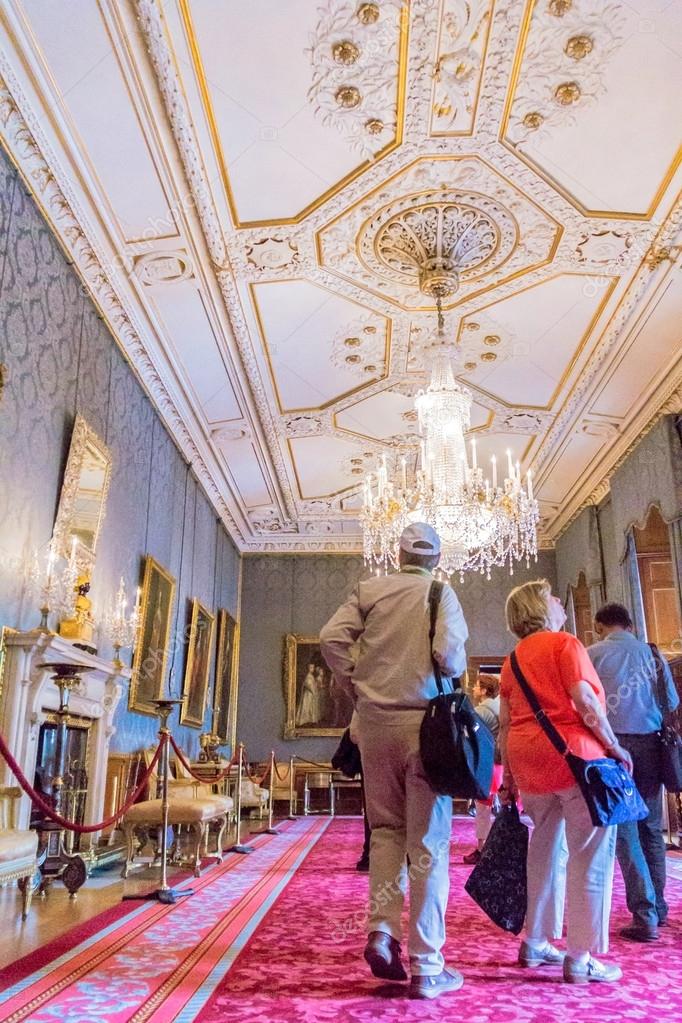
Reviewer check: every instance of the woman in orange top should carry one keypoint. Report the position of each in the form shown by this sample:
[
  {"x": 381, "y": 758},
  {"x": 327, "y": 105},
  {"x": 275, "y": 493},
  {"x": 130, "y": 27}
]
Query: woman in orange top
[{"x": 567, "y": 854}]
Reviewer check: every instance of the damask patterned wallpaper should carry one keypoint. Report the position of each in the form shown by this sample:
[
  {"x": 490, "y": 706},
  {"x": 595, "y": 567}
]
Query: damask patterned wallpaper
[
  {"x": 61, "y": 359},
  {"x": 652, "y": 474},
  {"x": 282, "y": 594}
]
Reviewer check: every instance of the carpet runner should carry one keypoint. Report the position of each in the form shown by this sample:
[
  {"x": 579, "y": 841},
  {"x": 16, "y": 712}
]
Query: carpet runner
[
  {"x": 156, "y": 963},
  {"x": 278, "y": 936}
]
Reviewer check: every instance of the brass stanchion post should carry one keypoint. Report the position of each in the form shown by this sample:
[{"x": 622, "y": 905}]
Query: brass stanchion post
[
  {"x": 164, "y": 893},
  {"x": 238, "y": 847},
  {"x": 271, "y": 829},
  {"x": 292, "y": 798}
]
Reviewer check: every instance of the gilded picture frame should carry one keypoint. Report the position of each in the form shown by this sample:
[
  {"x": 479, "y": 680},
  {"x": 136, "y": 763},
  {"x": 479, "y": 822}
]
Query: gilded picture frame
[
  {"x": 225, "y": 693},
  {"x": 83, "y": 497},
  {"x": 150, "y": 656},
  {"x": 198, "y": 666},
  {"x": 315, "y": 704}
]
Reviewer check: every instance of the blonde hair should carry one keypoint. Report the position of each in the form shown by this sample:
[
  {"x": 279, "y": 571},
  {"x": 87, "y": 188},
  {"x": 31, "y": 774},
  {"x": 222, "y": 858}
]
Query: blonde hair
[{"x": 527, "y": 608}]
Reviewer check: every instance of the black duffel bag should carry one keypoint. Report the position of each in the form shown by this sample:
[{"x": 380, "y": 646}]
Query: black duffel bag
[{"x": 457, "y": 749}]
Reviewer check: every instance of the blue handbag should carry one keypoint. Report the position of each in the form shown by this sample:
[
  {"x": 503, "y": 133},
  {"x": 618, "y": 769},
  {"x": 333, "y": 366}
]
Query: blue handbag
[{"x": 608, "y": 789}]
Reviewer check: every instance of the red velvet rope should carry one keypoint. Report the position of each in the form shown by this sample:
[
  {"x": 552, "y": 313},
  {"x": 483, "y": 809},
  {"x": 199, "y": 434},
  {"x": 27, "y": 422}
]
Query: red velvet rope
[
  {"x": 323, "y": 767},
  {"x": 198, "y": 777},
  {"x": 280, "y": 777},
  {"x": 81, "y": 829},
  {"x": 266, "y": 775}
]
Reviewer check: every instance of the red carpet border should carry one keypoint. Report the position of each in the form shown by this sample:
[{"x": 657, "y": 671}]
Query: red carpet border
[
  {"x": 157, "y": 963},
  {"x": 277, "y": 937}
]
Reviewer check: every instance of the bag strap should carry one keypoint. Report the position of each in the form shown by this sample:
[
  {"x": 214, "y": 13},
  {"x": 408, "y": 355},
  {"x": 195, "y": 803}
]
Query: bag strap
[
  {"x": 552, "y": 733},
  {"x": 435, "y": 593},
  {"x": 659, "y": 689}
]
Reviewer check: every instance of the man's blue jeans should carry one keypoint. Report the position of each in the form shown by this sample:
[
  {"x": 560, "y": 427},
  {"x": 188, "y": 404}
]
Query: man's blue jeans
[{"x": 640, "y": 848}]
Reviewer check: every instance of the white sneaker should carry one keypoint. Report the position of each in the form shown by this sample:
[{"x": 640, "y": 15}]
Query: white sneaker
[
  {"x": 583, "y": 973},
  {"x": 547, "y": 956}
]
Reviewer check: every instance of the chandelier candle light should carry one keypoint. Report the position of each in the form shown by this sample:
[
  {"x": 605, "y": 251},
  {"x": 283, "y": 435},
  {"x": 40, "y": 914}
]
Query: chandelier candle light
[
  {"x": 122, "y": 628},
  {"x": 481, "y": 522}
]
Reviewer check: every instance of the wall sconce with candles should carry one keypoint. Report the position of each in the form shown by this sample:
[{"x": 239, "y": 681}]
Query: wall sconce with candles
[{"x": 121, "y": 627}]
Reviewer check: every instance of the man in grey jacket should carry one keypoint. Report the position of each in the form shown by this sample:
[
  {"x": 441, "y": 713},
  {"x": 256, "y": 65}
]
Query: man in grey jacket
[
  {"x": 628, "y": 672},
  {"x": 377, "y": 644}
]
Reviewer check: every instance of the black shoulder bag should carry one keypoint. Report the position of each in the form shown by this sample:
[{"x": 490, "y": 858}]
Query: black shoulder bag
[
  {"x": 456, "y": 747},
  {"x": 671, "y": 744},
  {"x": 608, "y": 789}
]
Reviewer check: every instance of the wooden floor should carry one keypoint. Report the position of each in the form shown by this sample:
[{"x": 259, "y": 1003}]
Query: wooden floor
[{"x": 56, "y": 913}]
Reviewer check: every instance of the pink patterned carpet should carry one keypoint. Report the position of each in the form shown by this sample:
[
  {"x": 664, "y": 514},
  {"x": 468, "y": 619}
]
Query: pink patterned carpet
[{"x": 304, "y": 962}]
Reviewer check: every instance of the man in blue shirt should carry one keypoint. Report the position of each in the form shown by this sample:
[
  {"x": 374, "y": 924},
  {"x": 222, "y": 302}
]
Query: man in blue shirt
[{"x": 636, "y": 699}]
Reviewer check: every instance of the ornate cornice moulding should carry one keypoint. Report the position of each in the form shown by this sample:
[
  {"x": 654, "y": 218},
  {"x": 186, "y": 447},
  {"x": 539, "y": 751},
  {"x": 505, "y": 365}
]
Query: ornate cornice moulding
[
  {"x": 667, "y": 401},
  {"x": 29, "y": 151},
  {"x": 150, "y": 16}
]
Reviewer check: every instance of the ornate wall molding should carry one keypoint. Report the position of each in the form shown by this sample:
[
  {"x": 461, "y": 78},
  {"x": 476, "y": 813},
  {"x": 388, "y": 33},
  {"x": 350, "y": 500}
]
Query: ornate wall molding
[
  {"x": 26, "y": 145},
  {"x": 152, "y": 23}
]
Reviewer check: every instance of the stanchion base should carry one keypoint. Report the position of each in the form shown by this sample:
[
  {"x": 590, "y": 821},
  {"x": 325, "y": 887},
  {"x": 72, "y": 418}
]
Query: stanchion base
[
  {"x": 271, "y": 831},
  {"x": 243, "y": 850},
  {"x": 169, "y": 896}
]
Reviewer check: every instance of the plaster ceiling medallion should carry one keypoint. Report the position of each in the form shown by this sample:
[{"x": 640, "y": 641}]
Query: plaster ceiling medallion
[
  {"x": 355, "y": 57},
  {"x": 565, "y": 64},
  {"x": 525, "y": 422},
  {"x": 269, "y": 520},
  {"x": 360, "y": 347},
  {"x": 302, "y": 425},
  {"x": 458, "y": 67},
  {"x": 226, "y": 434},
  {"x": 272, "y": 254},
  {"x": 606, "y": 248},
  {"x": 158, "y": 268},
  {"x": 457, "y": 208}
]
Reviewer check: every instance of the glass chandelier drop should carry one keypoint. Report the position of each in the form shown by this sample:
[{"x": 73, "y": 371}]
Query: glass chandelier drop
[{"x": 482, "y": 520}]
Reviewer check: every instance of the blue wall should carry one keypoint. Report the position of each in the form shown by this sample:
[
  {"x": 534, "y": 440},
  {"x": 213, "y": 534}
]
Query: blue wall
[{"x": 60, "y": 359}]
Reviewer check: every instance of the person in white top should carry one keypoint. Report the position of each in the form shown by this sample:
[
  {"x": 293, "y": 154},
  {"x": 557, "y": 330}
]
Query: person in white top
[{"x": 377, "y": 645}]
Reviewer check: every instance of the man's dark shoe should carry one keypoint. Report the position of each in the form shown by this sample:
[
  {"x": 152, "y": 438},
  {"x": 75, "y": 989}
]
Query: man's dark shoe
[
  {"x": 472, "y": 857},
  {"x": 363, "y": 864},
  {"x": 640, "y": 932},
  {"x": 432, "y": 987},
  {"x": 382, "y": 952}
]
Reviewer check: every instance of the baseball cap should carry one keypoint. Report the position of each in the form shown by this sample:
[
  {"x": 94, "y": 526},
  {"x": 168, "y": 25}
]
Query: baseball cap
[{"x": 420, "y": 538}]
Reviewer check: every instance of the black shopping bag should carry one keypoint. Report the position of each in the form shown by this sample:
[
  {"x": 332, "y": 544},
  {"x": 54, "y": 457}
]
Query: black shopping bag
[{"x": 498, "y": 881}]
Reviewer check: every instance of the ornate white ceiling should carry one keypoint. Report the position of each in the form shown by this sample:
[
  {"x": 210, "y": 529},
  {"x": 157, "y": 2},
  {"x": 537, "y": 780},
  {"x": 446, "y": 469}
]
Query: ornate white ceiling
[{"x": 234, "y": 182}]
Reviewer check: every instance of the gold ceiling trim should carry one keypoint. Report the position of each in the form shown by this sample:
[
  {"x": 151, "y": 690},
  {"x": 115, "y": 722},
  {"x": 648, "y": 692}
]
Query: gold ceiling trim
[
  {"x": 474, "y": 110},
  {"x": 624, "y": 296},
  {"x": 613, "y": 282},
  {"x": 467, "y": 298},
  {"x": 202, "y": 83},
  {"x": 67, "y": 142},
  {"x": 379, "y": 440},
  {"x": 540, "y": 170},
  {"x": 315, "y": 497},
  {"x": 266, "y": 345}
]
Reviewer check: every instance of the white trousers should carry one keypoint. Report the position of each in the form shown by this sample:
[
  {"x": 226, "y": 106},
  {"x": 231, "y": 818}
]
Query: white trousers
[
  {"x": 568, "y": 860},
  {"x": 407, "y": 819}
]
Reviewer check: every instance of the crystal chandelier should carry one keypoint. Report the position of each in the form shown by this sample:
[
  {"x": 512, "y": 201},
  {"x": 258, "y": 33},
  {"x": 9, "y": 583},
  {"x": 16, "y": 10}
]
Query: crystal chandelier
[{"x": 482, "y": 520}]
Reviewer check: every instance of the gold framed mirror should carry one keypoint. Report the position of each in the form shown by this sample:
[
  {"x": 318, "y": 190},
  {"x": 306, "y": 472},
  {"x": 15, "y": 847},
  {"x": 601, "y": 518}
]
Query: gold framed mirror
[{"x": 84, "y": 496}]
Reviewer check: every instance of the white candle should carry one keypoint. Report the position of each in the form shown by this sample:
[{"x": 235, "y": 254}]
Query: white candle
[
  {"x": 72, "y": 559},
  {"x": 403, "y": 466},
  {"x": 518, "y": 473},
  {"x": 510, "y": 467},
  {"x": 494, "y": 461},
  {"x": 529, "y": 482},
  {"x": 50, "y": 563},
  {"x": 474, "y": 463}
]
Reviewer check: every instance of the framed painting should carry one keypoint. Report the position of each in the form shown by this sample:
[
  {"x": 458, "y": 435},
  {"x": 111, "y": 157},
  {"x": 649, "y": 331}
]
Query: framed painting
[
  {"x": 226, "y": 675},
  {"x": 198, "y": 667},
  {"x": 152, "y": 644},
  {"x": 315, "y": 704}
]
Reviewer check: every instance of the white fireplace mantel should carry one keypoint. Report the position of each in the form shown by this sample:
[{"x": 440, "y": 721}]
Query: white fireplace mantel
[{"x": 28, "y": 694}]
